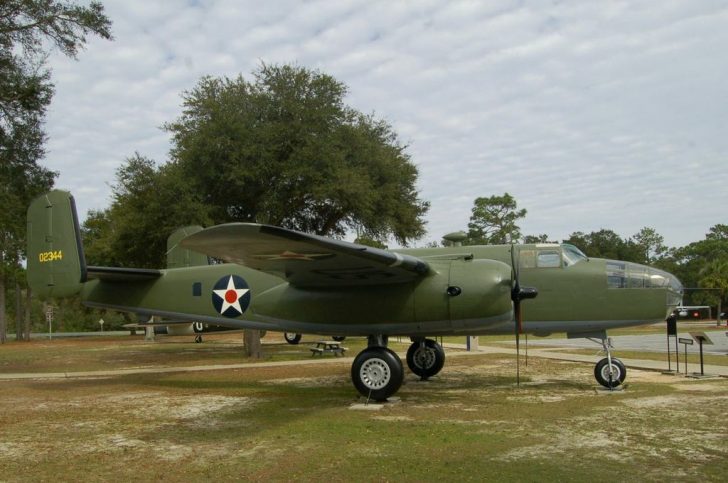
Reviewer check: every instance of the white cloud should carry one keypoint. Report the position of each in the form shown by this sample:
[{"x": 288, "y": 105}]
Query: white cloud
[{"x": 591, "y": 114}]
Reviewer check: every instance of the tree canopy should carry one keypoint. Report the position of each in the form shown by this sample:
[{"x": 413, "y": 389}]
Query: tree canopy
[
  {"x": 493, "y": 220},
  {"x": 281, "y": 149},
  {"x": 607, "y": 244},
  {"x": 27, "y": 29},
  {"x": 149, "y": 203},
  {"x": 702, "y": 264},
  {"x": 284, "y": 149}
]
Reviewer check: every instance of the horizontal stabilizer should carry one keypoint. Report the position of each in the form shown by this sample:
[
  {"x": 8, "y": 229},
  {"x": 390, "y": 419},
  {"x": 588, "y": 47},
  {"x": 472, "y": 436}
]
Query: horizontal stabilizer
[
  {"x": 305, "y": 260},
  {"x": 115, "y": 274}
]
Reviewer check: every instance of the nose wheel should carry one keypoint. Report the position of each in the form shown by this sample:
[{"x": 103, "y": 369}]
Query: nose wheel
[
  {"x": 610, "y": 377},
  {"x": 610, "y": 371}
]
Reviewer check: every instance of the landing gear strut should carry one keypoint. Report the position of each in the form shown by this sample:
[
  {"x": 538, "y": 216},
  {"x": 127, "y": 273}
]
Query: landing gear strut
[
  {"x": 377, "y": 371},
  {"x": 425, "y": 358},
  {"x": 610, "y": 371}
]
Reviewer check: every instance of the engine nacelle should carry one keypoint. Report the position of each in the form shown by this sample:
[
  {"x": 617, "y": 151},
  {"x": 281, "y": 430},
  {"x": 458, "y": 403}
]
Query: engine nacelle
[{"x": 469, "y": 293}]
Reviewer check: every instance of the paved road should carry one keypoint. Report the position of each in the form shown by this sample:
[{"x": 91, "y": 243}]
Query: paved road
[
  {"x": 500, "y": 348},
  {"x": 651, "y": 343}
]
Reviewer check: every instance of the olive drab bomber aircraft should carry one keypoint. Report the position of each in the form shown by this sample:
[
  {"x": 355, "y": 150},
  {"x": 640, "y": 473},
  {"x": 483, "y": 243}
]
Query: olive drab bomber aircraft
[{"x": 278, "y": 279}]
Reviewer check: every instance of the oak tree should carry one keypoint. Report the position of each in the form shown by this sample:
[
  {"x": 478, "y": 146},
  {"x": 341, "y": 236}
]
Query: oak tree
[{"x": 28, "y": 28}]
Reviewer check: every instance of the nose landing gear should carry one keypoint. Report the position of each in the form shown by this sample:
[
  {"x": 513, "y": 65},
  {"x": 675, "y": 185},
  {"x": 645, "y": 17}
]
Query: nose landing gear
[{"x": 610, "y": 371}]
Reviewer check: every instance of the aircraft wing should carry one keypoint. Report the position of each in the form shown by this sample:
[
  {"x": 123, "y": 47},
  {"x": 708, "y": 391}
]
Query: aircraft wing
[{"x": 304, "y": 260}]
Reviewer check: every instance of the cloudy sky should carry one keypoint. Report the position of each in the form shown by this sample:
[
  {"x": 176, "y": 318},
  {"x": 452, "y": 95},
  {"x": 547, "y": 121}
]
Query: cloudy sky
[{"x": 608, "y": 114}]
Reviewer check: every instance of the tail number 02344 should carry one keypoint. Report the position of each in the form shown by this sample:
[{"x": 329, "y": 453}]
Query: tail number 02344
[{"x": 50, "y": 256}]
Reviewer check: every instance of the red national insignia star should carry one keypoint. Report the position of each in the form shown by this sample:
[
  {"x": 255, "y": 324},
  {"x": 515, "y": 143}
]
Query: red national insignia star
[{"x": 231, "y": 296}]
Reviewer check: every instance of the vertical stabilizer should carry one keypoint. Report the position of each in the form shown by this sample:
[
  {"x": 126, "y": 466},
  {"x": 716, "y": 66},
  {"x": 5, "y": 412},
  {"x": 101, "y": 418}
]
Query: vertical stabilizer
[
  {"x": 178, "y": 257},
  {"x": 56, "y": 264}
]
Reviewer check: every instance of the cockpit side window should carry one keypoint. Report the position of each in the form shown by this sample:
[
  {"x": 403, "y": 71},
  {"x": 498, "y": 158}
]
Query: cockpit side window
[
  {"x": 540, "y": 258},
  {"x": 549, "y": 258}
]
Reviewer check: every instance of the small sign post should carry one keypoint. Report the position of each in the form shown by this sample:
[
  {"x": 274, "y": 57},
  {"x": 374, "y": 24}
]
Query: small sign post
[
  {"x": 686, "y": 342},
  {"x": 672, "y": 332},
  {"x": 472, "y": 343},
  {"x": 701, "y": 338}
]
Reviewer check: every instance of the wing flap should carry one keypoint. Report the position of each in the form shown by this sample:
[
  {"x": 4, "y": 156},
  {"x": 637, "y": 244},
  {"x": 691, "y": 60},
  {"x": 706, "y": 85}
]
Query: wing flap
[{"x": 305, "y": 260}]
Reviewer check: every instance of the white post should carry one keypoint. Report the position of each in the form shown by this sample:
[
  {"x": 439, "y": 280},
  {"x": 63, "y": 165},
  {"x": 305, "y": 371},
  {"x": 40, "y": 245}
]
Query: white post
[
  {"x": 149, "y": 331},
  {"x": 49, "y": 319}
]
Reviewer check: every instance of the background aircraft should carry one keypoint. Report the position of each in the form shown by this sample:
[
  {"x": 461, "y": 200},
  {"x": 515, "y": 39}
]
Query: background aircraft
[
  {"x": 279, "y": 279},
  {"x": 180, "y": 327}
]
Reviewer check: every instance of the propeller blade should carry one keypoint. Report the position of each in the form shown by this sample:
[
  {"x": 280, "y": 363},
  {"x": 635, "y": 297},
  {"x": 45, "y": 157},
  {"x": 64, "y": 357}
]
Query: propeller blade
[
  {"x": 518, "y": 294},
  {"x": 515, "y": 296}
]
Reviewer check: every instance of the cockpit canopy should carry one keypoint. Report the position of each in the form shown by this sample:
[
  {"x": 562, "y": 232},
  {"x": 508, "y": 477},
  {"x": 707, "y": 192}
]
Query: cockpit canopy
[{"x": 631, "y": 275}]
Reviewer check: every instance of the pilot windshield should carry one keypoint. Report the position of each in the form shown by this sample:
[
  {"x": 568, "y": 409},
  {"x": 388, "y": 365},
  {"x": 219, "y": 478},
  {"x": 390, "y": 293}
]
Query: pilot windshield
[{"x": 572, "y": 255}]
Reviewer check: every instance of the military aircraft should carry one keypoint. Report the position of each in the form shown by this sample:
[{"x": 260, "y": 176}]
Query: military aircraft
[{"x": 278, "y": 279}]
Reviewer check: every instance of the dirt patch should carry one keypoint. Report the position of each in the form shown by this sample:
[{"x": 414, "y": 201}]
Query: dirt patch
[
  {"x": 323, "y": 381},
  {"x": 675, "y": 402},
  {"x": 701, "y": 387}
]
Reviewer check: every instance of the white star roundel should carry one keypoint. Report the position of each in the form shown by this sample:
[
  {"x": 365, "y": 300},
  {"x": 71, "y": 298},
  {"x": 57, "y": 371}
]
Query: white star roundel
[{"x": 231, "y": 296}]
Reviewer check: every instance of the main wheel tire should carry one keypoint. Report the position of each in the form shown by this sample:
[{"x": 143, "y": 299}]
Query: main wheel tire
[
  {"x": 601, "y": 373},
  {"x": 292, "y": 338},
  {"x": 198, "y": 338},
  {"x": 425, "y": 361},
  {"x": 339, "y": 338},
  {"x": 377, "y": 373}
]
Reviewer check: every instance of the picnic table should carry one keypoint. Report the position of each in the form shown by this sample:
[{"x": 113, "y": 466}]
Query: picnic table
[{"x": 328, "y": 347}]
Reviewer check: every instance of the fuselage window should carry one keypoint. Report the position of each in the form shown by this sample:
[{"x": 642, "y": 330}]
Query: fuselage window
[
  {"x": 549, "y": 259},
  {"x": 527, "y": 258},
  {"x": 616, "y": 274}
]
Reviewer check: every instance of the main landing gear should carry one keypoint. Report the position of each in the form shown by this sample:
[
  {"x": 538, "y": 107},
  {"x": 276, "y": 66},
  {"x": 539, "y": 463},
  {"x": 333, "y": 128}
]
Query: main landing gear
[
  {"x": 377, "y": 372},
  {"x": 292, "y": 338},
  {"x": 425, "y": 357},
  {"x": 610, "y": 371}
]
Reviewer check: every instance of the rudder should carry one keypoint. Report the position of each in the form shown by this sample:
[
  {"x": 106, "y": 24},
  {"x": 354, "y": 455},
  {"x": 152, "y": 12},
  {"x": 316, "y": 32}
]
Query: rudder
[{"x": 56, "y": 264}]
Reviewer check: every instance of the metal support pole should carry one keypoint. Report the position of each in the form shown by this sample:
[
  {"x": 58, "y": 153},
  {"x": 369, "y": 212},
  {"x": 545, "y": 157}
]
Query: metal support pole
[
  {"x": 700, "y": 343},
  {"x": 720, "y": 309},
  {"x": 669, "y": 356},
  {"x": 677, "y": 356}
]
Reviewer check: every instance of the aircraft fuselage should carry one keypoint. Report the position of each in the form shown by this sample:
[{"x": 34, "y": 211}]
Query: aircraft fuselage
[{"x": 575, "y": 297}]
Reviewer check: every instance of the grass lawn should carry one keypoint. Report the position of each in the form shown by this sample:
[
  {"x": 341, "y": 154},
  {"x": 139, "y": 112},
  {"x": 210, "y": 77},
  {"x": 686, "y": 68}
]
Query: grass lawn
[{"x": 470, "y": 423}]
